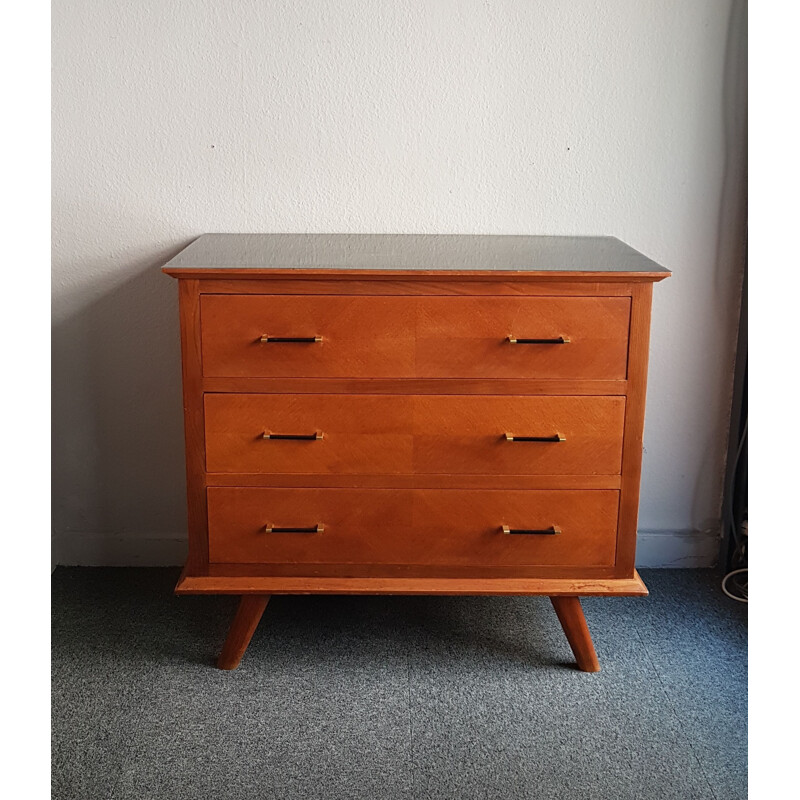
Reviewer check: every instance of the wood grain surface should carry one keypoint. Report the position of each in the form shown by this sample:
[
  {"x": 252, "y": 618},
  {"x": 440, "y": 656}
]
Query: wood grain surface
[
  {"x": 418, "y": 526},
  {"x": 425, "y": 337},
  {"x": 243, "y": 580},
  {"x": 193, "y": 420},
  {"x": 361, "y": 336},
  {"x": 419, "y": 434},
  {"x": 467, "y": 337}
]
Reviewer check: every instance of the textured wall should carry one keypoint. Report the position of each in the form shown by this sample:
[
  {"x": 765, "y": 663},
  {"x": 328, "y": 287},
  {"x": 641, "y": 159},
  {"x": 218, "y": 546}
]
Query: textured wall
[{"x": 620, "y": 117}]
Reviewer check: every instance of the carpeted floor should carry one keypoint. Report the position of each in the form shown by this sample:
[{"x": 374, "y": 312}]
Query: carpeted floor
[{"x": 382, "y": 697}]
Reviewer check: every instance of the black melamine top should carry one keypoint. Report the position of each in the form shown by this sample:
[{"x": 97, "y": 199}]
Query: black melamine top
[{"x": 412, "y": 253}]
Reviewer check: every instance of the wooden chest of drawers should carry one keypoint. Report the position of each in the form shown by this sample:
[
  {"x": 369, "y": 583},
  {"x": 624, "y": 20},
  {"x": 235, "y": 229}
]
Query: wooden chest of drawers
[{"x": 413, "y": 415}]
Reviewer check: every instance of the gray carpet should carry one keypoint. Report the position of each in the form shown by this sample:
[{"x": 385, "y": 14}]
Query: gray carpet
[{"x": 382, "y": 698}]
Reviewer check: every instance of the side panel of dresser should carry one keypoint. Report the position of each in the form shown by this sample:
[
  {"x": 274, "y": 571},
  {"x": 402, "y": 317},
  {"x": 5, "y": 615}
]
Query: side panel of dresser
[
  {"x": 638, "y": 353},
  {"x": 194, "y": 425}
]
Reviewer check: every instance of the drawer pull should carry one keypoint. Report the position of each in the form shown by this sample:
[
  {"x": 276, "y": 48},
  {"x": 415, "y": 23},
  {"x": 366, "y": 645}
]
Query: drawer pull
[
  {"x": 556, "y": 437},
  {"x": 318, "y": 528},
  {"x": 289, "y": 339},
  {"x": 551, "y": 531},
  {"x": 300, "y": 437},
  {"x": 559, "y": 340}
]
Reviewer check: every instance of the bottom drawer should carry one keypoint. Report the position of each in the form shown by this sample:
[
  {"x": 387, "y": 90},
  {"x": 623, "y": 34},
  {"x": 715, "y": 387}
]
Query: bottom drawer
[{"x": 412, "y": 526}]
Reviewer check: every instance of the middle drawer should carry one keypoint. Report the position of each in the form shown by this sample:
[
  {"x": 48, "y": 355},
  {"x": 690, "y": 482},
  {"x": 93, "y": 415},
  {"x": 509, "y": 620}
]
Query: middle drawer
[{"x": 413, "y": 434}]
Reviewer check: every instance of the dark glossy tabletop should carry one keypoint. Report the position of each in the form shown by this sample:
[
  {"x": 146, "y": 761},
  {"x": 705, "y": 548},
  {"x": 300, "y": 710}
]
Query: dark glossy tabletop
[{"x": 412, "y": 252}]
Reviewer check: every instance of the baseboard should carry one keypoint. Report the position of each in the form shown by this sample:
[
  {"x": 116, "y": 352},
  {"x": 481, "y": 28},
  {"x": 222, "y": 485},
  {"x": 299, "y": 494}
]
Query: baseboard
[
  {"x": 676, "y": 549},
  {"x": 55, "y": 551},
  {"x": 142, "y": 550}
]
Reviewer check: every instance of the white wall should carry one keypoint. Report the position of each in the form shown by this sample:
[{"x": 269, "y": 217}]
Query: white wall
[{"x": 170, "y": 119}]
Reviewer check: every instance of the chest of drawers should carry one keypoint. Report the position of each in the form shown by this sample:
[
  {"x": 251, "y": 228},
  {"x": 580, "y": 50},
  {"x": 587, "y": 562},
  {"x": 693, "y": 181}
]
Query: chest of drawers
[{"x": 406, "y": 414}]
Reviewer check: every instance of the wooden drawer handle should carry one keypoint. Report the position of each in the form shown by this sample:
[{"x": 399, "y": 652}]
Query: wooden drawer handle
[
  {"x": 318, "y": 528},
  {"x": 556, "y": 437},
  {"x": 289, "y": 339},
  {"x": 551, "y": 531},
  {"x": 299, "y": 437},
  {"x": 559, "y": 340}
]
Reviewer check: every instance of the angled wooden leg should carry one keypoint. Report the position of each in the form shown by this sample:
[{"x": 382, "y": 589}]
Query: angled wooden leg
[
  {"x": 244, "y": 625},
  {"x": 570, "y": 615}
]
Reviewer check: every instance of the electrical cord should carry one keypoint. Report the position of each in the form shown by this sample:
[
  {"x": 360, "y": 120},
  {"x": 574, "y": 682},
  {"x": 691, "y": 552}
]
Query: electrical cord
[
  {"x": 741, "y": 586},
  {"x": 739, "y": 553},
  {"x": 740, "y": 545}
]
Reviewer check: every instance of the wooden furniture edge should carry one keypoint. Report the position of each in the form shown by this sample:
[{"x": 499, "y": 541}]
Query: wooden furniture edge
[
  {"x": 413, "y": 481},
  {"x": 310, "y": 273},
  {"x": 633, "y": 435},
  {"x": 380, "y": 287},
  {"x": 194, "y": 421},
  {"x": 614, "y": 587},
  {"x": 401, "y": 385}
]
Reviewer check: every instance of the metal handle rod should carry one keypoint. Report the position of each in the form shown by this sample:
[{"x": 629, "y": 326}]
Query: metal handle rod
[
  {"x": 305, "y": 437},
  {"x": 556, "y": 437},
  {"x": 289, "y": 339},
  {"x": 318, "y": 528},
  {"x": 553, "y": 530},
  {"x": 559, "y": 340}
]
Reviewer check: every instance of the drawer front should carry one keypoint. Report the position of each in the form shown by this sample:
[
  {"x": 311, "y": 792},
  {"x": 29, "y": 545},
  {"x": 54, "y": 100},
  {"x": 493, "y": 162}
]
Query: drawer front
[
  {"x": 549, "y": 435},
  {"x": 470, "y": 337},
  {"x": 370, "y": 337},
  {"x": 555, "y": 338},
  {"x": 422, "y": 434},
  {"x": 361, "y": 434},
  {"x": 419, "y": 526}
]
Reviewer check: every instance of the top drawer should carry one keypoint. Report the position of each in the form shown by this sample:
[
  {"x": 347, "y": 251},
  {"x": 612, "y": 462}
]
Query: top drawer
[{"x": 314, "y": 336}]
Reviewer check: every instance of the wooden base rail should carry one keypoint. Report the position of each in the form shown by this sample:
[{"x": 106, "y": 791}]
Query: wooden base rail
[{"x": 232, "y": 580}]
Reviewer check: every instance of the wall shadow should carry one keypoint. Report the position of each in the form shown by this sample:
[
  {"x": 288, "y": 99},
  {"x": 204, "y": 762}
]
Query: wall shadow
[
  {"x": 117, "y": 419},
  {"x": 731, "y": 253}
]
